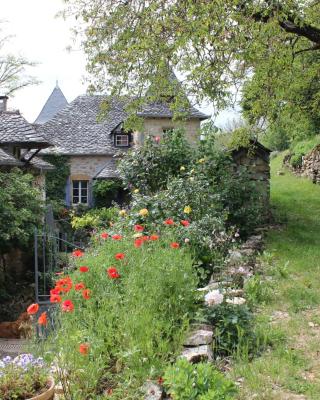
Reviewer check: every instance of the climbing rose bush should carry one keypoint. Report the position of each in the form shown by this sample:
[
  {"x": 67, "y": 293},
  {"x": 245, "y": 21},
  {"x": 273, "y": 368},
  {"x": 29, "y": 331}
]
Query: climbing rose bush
[{"x": 124, "y": 316}]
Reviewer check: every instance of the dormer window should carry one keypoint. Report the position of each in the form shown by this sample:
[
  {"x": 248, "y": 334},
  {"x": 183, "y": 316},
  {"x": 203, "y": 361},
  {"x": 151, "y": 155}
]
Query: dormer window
[
  {"x": 121, "y": 137},
  {"x": 122, "y": 140}
]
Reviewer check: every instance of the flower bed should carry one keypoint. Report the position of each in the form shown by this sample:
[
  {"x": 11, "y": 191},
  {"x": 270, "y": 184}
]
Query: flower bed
[
  {"x": 122, "y": 313},
  {"x": 23, "y": 377}
]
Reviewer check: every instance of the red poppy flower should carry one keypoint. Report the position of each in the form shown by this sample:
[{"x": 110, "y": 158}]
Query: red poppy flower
[
  {"x": 33, "y": 309},
  {"x": 77, "y": 253},
  {"x": 184, "y": 222},
  {"x": 84, "y": 269},
  {"x": 160, "y": 381},
  {"x": 119, "y": 256},
  {"x": 116, "y": 237},
  {"x": 154, "y": 237},
  {"x": 42, "y": 320},
  {"x": 64, "y": 284},
  {"x": 145, "y": 238},
  {"x": 79, "y": 286},
  {"x": 67, "y": 306},
  {"x": 55, "y": 298},
  {"x": 55, "y": 291},
  {"x": 86, "y": 294},
  {"x": 169, "y": 221},
  {"x": 138, "y": 243},
  {"x": 113, "y": 273},
  {"x": 84, "y": 348},
  {"x": 104, "y": 235},
  {"x": 174, "y": 245},
  {"x": 138, "y": 228}
]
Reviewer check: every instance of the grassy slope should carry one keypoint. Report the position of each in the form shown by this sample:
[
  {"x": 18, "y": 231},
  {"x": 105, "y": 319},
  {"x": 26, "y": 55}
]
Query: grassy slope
[{"x": 292, "y": 366}]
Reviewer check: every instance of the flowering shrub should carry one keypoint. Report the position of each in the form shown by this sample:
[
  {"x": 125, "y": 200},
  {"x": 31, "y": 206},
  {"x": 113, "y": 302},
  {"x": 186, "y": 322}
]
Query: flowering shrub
[
  {"x": 122, "y": 319},
  {"x": 148, "y": 167},
  {"x": 185, "y": 381},
  {"x": 23, "y": 377}
]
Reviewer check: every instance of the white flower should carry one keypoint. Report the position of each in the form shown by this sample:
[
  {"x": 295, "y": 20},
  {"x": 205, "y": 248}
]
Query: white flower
[
  {"x": 214, "y": 297},
  {"x": 236, "y": 301}
]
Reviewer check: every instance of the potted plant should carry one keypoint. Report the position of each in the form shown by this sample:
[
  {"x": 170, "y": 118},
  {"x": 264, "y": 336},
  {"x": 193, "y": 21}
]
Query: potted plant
[{"x": 25, "y": 378}]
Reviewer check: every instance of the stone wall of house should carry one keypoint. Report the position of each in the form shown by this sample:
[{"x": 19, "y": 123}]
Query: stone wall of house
[
  {"x": 86, "y": 167},
  {"x": 259, "y": 169},
  {"x": 311, "y": 165},
  {"x": 156, "y": 126}
]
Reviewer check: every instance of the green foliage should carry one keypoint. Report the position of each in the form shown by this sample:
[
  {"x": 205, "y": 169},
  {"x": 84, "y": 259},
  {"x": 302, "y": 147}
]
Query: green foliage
[
  {"x": 148, "y": 167},
  {"x": 128, "y": 50},
  {"x": 56, "y": 179},
  {"x": 134, "y": 324},
  {"x": 94, "y": 218},
  {"x": 258, "y": 291},
  {"x": 20, "y": 209},
  {"x": 185, "y": 381},
  {"x": 233, "y": 325},
  {"x": 105, "y": 191}
]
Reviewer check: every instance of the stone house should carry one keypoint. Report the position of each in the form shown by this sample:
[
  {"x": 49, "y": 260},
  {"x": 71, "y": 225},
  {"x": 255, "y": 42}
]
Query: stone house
[
  {"x": 94, "y": 145},
  {"x": 20, "y": 144}
]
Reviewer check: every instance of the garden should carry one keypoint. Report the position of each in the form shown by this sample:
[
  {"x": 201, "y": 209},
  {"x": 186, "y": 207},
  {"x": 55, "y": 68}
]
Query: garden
[{"x": 153, "y": 272}]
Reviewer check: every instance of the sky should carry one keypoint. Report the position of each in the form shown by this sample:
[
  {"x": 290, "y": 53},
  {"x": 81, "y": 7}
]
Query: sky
[{"x": 42, "y": 37}]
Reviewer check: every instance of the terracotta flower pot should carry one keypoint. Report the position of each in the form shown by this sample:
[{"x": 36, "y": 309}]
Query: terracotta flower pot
[{"x": 48, "y": 394}]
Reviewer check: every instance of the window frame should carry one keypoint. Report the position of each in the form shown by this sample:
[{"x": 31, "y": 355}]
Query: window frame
[
  {"x": 81, "y": 188},
  {"x": 121, "y": 136}
]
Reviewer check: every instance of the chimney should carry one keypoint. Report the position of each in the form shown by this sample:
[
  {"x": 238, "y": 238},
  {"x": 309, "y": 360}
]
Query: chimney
[{"x": 3, "y": 103}]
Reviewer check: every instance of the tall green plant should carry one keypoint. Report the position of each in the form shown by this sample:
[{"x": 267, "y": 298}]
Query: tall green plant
[{"x": 20, "y": 209}]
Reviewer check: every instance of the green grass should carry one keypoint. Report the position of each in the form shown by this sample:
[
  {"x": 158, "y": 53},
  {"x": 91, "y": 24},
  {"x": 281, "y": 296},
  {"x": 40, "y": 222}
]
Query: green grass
[{"x": 290, "y": 366}]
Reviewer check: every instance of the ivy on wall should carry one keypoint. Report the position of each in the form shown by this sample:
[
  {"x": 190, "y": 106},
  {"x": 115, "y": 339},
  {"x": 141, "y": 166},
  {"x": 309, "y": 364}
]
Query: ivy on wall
[{"x": 57, "y": 178}]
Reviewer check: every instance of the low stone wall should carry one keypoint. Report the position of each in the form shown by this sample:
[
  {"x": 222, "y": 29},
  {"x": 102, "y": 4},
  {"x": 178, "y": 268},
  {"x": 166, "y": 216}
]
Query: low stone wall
[{"x": 311, "y": 165}]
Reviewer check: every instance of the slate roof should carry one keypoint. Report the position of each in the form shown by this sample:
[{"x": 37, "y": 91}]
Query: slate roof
[
  {"x": 8, "y": 159},
  {"x": 38, "y": 163},
  {"x": 14, "y": 129},
  {"x": 55, "y": 103},
  {"x": 109, "y": 170},
  {"x": 162, "y": 110},
  {"x": 75, "y": 130}
]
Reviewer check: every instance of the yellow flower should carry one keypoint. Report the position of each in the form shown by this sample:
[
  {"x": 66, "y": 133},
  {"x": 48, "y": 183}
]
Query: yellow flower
[
  {"x": 182, "y": 168},
  {"x": 201, "y": 161},
  {"x": 143, "y": 212},
  {"x": 122, "y": 213},
  {"x": 136, "y": 191},
  {"x": 187, "y": 210}
]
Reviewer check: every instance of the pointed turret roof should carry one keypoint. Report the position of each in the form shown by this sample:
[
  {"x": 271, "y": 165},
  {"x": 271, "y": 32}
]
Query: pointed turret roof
[{"x": 55, "y": 103}]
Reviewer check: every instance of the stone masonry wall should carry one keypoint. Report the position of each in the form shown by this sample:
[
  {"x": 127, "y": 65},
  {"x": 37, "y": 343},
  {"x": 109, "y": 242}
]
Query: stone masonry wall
[
  {"x": 259, "y": 170},
  {"x": 156, "y": 126},
  {"x": 86, "y": 167},
  {"x": 311, "y": 165}
]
